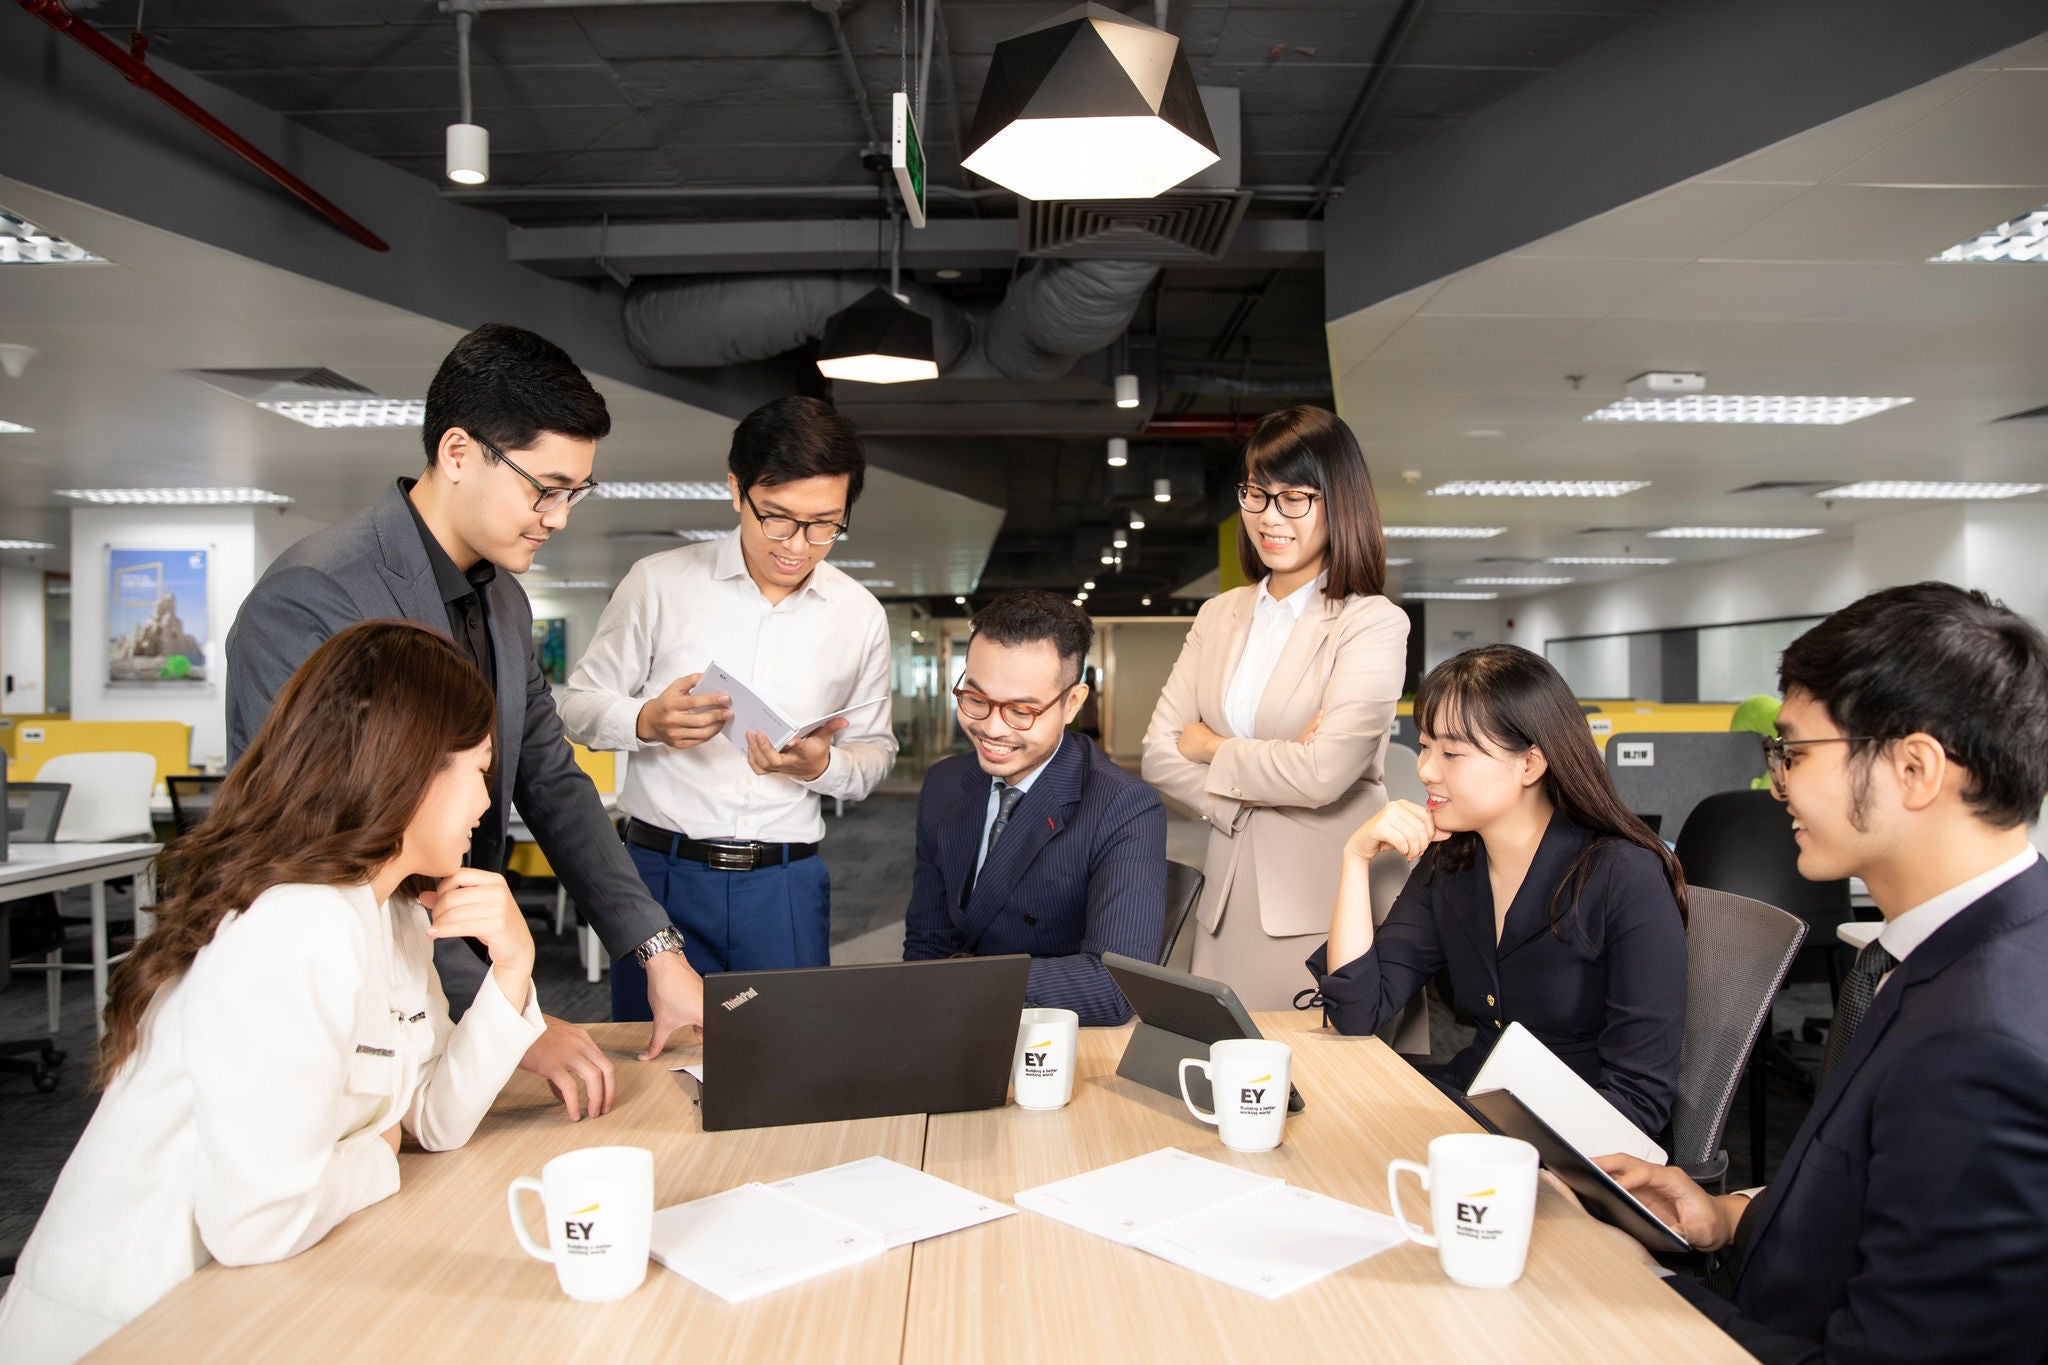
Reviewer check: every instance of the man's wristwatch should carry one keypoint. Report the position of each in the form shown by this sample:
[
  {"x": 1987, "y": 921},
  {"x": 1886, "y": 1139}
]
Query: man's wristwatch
[{"x": 666, "y": 940}]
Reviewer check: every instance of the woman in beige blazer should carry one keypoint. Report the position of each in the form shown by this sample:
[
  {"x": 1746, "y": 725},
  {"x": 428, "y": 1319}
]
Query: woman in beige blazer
[{"x": 1273, "y": 725}]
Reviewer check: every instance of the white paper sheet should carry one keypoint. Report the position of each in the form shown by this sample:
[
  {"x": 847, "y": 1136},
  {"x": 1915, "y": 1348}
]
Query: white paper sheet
[
  {"x": 753, "y": 1239},
  {"x": 753, "y": 712},
  {"x": 1558, "y": 1095},
  {"x": 903, "y": 1204},
  {"x": 1274, "y": 1240},
  {"x": 1124, "y": 1201}
]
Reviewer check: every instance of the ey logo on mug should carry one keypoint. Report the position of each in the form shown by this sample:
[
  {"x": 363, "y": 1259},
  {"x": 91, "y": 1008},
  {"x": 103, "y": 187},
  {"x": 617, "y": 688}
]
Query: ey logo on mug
[
  {"x": 1034, "y": 1057},
  {"x": 573, "y": 1231},
  {"x": 1246, "y": 1095},
  {"x": 1474, "y": 1213}
]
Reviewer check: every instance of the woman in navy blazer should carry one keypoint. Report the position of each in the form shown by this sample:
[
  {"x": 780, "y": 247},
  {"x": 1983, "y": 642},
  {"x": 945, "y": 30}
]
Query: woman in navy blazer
[{"x": 1547, "y": 901}]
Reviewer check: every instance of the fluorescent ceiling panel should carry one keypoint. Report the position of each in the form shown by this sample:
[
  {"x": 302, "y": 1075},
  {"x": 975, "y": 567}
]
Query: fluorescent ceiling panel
[
  {"x": 851, "y": 563},
  {"x": 1443, "y": 532},
  {"x": 334, "y": 413},
  {"x": 178, "y": 497},
  {"x": 1735, "y": 532},
  {"x": 572, "y": 585},
  {"x": 2023, "y": 239},
  {"x": 15, "y": 429},
  {"x": 666, "y": 492},
  {"x": 1399, "y": 563},
  {"x": 1902, "y": 488},
  {"x": 1449, "y": 596},
  {"x": 698, "y": 537},
  {"x": 876, "y": 582},
  {"x": 23, "y": 243},
  {"x": 1537, "y": 488},
  {"x": 26, "y": 545},
  {"x": 1512, "y": 582},
  {"x": 1752, "y": 409},
  {"x": 1608, "y": 560}
]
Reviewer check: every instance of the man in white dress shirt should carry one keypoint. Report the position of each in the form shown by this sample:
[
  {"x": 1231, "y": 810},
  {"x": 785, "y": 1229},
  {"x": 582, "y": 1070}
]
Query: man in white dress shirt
[{"x": 727, "y": 840}]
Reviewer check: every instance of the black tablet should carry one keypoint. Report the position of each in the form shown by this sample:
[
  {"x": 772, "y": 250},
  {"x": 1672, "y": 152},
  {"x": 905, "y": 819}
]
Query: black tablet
[
  {"x": 1501, "y": 1112},
  {"x": 1190, "y": 1011}
]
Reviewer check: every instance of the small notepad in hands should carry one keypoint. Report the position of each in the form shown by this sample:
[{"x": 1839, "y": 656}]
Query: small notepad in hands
[
  {"x": 1255, "y": 1232},
  {"x": 756, "y": 1238},
  {"x": 753, "y": 713}
]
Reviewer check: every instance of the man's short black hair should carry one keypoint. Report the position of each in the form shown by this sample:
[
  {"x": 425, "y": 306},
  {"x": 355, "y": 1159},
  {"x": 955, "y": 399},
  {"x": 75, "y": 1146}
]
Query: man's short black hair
[
  {"x": 1932, "y": 658},
  {"x": 507, "y": 385},
  {"x": 1031, "y": 615},
  {"x": 796, "y": 438}
]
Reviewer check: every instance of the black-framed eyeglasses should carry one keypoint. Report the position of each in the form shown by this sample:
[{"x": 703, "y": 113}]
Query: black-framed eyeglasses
[
  {"x": 1775, "y": 752},
  {"x": 782, "y": 528},
  {"x": 546, "y": 497},
  {"x": 1294, "y": 502},
  {"x": 1016, "y": 714}
]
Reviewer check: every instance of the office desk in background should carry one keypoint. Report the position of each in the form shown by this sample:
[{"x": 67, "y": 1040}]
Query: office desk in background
[
  {"x": 434, "y": 1274},
  {"x": 37, "y": 869}
]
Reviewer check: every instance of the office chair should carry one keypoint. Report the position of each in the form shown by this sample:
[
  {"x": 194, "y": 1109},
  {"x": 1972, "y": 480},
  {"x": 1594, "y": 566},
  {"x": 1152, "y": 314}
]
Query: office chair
[
  {"x": 1183, "y": 889},
  {"x": 1403, "y": 782},
  {"x": 1737, "y": 952},
  {"x": 109, "y": 796},
  {"x": 191, "y": 798},
  {"x": 34, "y": 810}
]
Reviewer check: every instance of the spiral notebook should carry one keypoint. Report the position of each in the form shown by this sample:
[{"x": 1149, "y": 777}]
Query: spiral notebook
[{"x": 1254, "y": 1232}]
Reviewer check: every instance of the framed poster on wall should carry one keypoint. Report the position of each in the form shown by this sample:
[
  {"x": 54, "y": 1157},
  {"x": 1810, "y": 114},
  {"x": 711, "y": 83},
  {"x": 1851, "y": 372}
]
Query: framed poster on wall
[
  {"x": 551, "y": 647},
  {"x": 157, "y": 616}
]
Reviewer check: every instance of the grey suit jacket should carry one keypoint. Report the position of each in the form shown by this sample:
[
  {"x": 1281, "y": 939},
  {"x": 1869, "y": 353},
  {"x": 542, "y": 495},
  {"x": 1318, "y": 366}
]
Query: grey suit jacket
[{"x": 373, "y": 566}]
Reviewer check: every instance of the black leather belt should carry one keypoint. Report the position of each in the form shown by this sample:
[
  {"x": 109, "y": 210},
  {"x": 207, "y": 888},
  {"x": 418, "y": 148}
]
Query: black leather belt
[{"x": 725, "y": 855}]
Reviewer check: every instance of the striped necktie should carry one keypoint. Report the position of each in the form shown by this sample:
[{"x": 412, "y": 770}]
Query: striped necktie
[
  {"x": 1006, "y": 806},
  {"x": 1872, "y": 962}
]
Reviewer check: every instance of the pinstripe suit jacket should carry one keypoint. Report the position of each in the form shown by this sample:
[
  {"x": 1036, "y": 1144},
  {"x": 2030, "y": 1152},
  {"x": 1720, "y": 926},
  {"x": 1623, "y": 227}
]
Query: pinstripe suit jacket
[{"x": 1080, "y": 871}]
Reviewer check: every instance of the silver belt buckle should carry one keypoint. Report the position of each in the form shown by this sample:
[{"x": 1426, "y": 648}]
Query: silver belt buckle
[{"x": 732, "y": 857}]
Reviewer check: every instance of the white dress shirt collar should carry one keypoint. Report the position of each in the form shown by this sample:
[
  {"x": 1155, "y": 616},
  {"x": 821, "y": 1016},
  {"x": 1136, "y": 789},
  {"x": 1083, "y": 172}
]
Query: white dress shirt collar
[
  {"x": 1905, "y": 932},
  {"x": 1295, "y": 603},
  {"x": 1023, "y": 784},
  {"x": 729, "y": 560}
]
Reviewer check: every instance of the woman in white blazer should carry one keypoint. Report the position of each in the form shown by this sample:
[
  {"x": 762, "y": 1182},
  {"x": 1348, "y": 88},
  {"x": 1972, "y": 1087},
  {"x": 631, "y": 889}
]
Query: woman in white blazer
[
  {"x": 1273, "y": 725},
  {"x": 269, "y": 1040}
]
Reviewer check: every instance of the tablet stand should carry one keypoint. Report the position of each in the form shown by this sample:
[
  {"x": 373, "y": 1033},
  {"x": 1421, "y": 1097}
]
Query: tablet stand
[{"x": 1152, "y": 1059}]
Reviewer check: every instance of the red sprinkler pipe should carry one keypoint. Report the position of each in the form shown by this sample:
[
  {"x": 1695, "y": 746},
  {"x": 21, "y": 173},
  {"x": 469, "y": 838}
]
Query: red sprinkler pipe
[
  {"x": 132, "y": 66},
  {"x": 1225, "y": 428}
]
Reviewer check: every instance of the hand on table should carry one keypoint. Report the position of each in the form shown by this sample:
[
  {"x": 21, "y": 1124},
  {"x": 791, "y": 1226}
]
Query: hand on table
[
  {"x": 574, "y": 1066},
  {"x": 682, "y": 718},
  {"x": 805, "y": 759},
  {"x": 676, "y": 993}
]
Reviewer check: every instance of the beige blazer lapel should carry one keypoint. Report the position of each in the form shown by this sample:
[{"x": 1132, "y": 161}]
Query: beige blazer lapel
[
  {"x": 1297, "y": 661},
  {"x": 1216, "y": 682}
]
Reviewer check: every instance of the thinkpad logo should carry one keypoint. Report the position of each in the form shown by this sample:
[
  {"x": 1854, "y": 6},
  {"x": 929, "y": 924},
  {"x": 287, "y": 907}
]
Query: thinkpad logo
[{"x": 742, "y": 998}]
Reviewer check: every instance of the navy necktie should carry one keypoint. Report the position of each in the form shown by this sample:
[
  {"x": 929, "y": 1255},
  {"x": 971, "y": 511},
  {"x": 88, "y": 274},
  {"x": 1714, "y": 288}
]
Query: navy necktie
[{"x": 1872, "y": 962}]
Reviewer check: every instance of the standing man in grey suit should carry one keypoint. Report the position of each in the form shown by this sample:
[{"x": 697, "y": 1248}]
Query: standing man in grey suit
[{"x": 511, "y": 433}]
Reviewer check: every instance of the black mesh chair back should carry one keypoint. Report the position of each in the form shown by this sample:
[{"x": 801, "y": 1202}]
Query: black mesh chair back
[
  {"x": 1741, "y": 842},
  {"x": 191, "y": 797},
  {"x": 1183, "y": 889},
  {"x": 1737, "y": 953},
  {"x": 34, "y": 810}
]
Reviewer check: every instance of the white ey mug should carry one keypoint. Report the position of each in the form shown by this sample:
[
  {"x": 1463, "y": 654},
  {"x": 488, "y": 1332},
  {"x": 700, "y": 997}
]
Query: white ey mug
[
  {"x": 599, "y": 1204},
  {"x": 1248, "y": 1085},
  {"x": 1043, "y": 1071},
  {"x": 1482, "y": 1204}
]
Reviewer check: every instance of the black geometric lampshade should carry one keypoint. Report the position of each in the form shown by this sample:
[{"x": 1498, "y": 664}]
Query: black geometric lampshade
[
  {"x": 1090, "y": 105},
  {"x": 877, "y": 339}
]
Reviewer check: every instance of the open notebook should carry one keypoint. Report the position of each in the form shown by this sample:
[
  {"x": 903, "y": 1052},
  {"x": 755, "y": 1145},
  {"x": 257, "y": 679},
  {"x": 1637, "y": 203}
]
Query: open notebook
[
  {"x": 1581, "y": 1115},
  {"x": 1255, "y": 1232},
  {"x": 755, "y": 1238},
  {"x": 752, "y": 712}
]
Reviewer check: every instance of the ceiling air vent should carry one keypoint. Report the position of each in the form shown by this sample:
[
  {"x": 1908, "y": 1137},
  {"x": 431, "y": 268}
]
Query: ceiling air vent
[
  {"x": 1786, "y": 486},
  {"x": 294, "y": 383},
  {"x": 1180, "y": 225},
  {"x": 2030, "y": 415}
]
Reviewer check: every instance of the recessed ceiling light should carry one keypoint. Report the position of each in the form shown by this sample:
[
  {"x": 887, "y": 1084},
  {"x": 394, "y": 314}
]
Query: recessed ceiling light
[
  {"x": 699, "y": 537},
  {"x": 2023, "y": 239},
  {"x": 1144, "y": 601},
  {"x": 1137, "y": 521},
  {"x": 876, "y": 582},
  {"x": 851, "y": 563},
  {"x": 1120, "y": 541},
  {"x": 1512, "y": 582},
  {"x": 351, "y": 412},
  {"x": 1607, "y": 560},
  {"x": 1442, "y": 532},
  {"x": 23, "y": 243},
  {"x": 26, "y": 545},
  {"x": 573, "y": 585},
  {"x": 207, "y": 497},
  {"x": 1899, "y": 488},
  {"x": 15, "y": 429},
  {"x": 665, "y": 492},
  {"x": 1398, "y": 563},
  {"x": 947, "y": 273},
  {"x": 1756, "y": 409},
  {"x": 959, "y": 601},
  {"x": 1089, "y": 586},
  {"x": 1537, "y": 488},
  {"x": 1449, "y": 596},
  {"x": 1735, "y": 532}
]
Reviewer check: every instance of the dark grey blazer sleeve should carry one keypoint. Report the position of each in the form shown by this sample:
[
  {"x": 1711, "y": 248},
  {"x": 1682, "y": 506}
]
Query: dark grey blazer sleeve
[
  {"x": 1126, "y": 913},
  {"x": 286, "y": 616},
  {"x": 561, "y": 807}
]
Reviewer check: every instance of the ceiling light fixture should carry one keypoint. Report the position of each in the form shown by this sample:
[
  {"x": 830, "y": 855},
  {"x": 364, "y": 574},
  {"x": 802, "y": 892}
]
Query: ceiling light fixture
[
  {"x": 1399, "y": 563},
  {"x": 699, "y": 537},
  {"x": 15, "y": 429},
  {"x": 23, "y": 243},
  {"x": 2023, "y": 239},
  {"x": 469, "y": 143},
  {"x": 1137, "y": 521},
  {"x": 851, "y": 563},
  {"x": 1512, "y": 582},
  {"x": 1120, "y": 541},
  {"x": 1119, "y": 452},
  {"x": 334, "y": 413},
  {"x": 179, "y": 497},
  {"x": 630, "y": 490},
  {"x": 1752, "y": 409},
  {"x": 1900, "y": 488},
  {"x": 876, "y": 582},
  {"x": 1127, "y": 391},
  {"x": 1442, "y": 532},
  {"x": 1537, "y": 488},
  {"x": 1162, "y": 490},
  {"x": 879, "y": 338},
  {"x": 959, "y": 601},
  {"x": 574, "y": 585},
  {"x": 1144, "y": 601},
  {"x": 1735, "y": 532},
  {"x": 1608, "y": 560},
  {"x": 26, "y": 545},
  {"x": 1108, "y": 557},
  {"x": 1089, "y": 586},
  {"x": 14, "y": 359},
  {"x": 1081, "y": 596},
  {"x": 1090, "y": 105},
  {"x": 1449, "y": 596}
]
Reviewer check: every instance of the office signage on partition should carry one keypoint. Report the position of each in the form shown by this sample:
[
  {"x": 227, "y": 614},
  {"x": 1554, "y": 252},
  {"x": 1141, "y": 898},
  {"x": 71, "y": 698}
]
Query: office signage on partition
[{"x": 1636, "y": 754}]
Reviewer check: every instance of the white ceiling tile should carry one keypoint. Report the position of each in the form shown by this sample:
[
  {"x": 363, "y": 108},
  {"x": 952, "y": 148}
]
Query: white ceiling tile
[
  {"x": 1486, "y": 338},
  {"x": 1682, "y": 223},
  {"x": 1759, "y": 292},
  {"x": 1865, "y": 223},
  {"x": 1990, "y": 134},
  {"x": 1531, "y": 286}
]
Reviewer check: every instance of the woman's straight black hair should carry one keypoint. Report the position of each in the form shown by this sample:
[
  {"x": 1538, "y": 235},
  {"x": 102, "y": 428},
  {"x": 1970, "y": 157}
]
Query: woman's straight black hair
[
  {"x": 1506, "y": 700},
  {"x": 1310, "y": 447}
]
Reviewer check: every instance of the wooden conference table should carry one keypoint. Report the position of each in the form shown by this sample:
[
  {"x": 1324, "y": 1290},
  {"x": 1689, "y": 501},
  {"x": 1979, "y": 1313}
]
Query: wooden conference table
[{"x": 433, "y": 1273}]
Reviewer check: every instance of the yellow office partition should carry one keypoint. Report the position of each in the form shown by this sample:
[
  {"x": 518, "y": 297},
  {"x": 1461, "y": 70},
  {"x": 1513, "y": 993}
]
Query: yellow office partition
[
  {"x": 10, "y": 729},
  {"x": 527, "y": 860},
  {"x": 36, "y": 741}
]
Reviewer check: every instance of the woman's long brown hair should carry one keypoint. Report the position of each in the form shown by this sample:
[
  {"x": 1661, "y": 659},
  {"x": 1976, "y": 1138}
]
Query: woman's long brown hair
[
  {"x": 1310, "y": 447},
  {"x": 1508, "y": 700},
  {"x": 322, "y": 796}
]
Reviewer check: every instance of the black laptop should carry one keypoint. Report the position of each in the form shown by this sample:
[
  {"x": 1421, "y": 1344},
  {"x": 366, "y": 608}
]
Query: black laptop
[{"x": 817, "y": 1044}]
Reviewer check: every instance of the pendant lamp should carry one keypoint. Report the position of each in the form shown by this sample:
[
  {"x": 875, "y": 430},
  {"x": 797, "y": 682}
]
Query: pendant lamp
[
  {"x": 878, "y": 339},
  {"x": 1090, "y": 105}
]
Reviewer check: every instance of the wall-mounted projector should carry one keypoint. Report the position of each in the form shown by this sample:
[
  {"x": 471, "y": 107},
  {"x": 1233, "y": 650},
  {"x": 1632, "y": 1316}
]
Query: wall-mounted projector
[{"x": 1665, "y": 383}]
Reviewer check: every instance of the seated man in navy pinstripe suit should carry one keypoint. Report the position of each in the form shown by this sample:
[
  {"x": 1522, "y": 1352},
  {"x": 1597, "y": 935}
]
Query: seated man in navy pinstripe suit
[{"x": 1036, "y": 843}]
